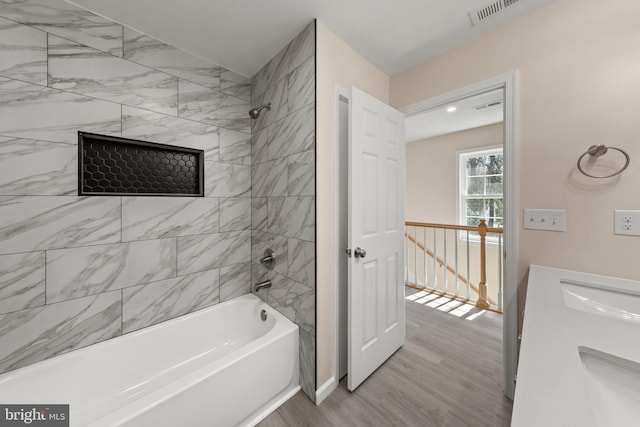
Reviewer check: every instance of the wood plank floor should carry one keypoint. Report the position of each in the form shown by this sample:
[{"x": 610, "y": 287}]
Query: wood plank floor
[{"x": 448, "y": 373}]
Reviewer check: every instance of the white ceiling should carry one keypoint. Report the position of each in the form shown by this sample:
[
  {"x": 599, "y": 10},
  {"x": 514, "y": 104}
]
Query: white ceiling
[
  {"x": 479, "y": 110},
  {"x": 243, "y": 35}
]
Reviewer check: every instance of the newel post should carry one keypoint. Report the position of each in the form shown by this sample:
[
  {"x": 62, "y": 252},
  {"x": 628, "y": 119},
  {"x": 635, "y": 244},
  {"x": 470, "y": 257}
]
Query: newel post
[{"x": 482, "y": 286}]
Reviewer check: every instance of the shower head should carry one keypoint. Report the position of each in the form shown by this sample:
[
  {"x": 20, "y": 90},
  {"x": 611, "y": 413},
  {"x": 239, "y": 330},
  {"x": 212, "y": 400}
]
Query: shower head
[{"x": 254, "y": 113}]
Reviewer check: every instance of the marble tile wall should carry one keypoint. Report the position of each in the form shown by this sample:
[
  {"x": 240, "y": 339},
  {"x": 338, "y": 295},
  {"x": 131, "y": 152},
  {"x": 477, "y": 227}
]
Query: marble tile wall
[
  {"x": 78, "y": 270},
  {"x": 283, "y": 190}
]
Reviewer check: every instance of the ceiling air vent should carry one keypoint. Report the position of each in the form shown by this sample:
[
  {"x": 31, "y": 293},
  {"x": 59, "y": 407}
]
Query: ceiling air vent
[{"x": 479, "y": 15}]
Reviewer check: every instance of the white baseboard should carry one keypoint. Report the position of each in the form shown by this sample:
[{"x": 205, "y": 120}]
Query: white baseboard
[{"x": 325, "y": 390}]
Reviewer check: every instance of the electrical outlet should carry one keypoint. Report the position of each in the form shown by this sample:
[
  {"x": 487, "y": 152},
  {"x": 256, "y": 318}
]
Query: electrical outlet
[
  {"x": 626, "y": 223},
  {"x": 545, "y": 219}
]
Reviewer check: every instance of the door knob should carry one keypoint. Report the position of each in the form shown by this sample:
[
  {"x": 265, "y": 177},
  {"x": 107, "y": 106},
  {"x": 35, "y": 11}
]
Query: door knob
[{"x": 359, "y": 253}]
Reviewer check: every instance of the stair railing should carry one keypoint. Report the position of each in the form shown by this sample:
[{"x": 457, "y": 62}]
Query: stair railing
[{"x": 467, "y": 235}]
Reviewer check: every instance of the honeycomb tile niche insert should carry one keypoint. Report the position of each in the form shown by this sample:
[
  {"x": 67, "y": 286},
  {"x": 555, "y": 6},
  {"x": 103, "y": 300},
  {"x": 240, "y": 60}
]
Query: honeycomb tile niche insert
[{"x": 109, "y": 166}]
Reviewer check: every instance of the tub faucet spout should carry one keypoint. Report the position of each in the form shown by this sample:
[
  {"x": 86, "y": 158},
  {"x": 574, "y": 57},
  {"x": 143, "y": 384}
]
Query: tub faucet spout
[{"x": 266, "y": 284}]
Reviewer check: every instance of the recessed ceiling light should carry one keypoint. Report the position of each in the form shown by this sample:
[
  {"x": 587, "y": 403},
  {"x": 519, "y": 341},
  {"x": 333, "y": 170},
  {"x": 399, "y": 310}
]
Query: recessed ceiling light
[{"x": 451, "y": 109}]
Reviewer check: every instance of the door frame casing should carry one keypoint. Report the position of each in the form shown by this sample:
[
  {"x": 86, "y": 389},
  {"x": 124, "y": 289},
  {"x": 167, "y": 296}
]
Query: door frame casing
[
  {"x": 332, "y": 383},
  {"x": 509, "y": 82}
]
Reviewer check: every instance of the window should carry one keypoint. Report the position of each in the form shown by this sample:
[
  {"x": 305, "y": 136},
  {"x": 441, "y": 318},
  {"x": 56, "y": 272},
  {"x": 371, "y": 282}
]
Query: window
[{"x": 480, "y": 189}]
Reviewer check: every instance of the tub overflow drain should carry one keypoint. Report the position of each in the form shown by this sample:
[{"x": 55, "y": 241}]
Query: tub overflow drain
[{"x": 263, "y": 315}]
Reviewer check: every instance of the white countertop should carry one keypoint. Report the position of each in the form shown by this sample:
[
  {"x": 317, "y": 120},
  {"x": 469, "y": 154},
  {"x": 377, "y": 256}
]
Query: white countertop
[{"x": 554, "y": 387}]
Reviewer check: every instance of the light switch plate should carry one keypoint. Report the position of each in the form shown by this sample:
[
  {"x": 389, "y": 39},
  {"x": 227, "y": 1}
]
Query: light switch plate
[
  {"x": 626, "y": 223},
  {"x": 546, "y": 219}
]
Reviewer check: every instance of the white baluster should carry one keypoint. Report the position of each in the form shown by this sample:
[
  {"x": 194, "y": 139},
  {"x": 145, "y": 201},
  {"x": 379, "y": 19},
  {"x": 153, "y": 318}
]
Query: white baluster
[
  {"x": 446, "y": 281},
  {"x": 424, "y": 241},
  {"x": 415, "y": 255},
  {"x": 435, "y": 257},
  {"x": 455, "y": 241}
]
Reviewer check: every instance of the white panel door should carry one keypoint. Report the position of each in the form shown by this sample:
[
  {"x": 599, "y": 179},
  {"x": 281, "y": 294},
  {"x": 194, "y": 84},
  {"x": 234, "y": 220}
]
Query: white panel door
[{"x": 376, "y": 233}]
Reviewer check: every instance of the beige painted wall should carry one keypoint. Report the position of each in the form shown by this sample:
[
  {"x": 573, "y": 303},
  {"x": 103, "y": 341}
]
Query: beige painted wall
[
  {"x": 579, "y": 64},
  {"x": 337, "y": 64},
  {"x": 432, "y": 172}
]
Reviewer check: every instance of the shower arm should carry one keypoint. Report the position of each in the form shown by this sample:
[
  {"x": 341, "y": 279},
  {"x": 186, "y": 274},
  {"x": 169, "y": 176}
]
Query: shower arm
[{"x": 254, "y": 113}]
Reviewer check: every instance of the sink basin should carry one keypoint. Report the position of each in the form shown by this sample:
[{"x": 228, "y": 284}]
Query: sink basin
[
  {"x": 613, "y": 384},
  {"x": 605, "y": 301},
  {"x": 579, "y": 359}
]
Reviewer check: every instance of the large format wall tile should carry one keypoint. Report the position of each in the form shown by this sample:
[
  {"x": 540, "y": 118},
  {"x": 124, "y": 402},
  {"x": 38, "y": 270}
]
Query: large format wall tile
[
  {"x": 61, "y": 18},
  {"x": 283, "y": 189},
  {"x": 301, "y": 87},
  {"x": 301, "y": 48},
  {"x": 153, "y": 53},
  {"x": 235, "y": 84},
  {"x": 269, "y": 179},
  {"x": 259, "y": 213},
  {"x": 235, "y": 147},
  {"x": 146, "y": 305},
  {"x": 302, "y": 174},
  {"x": 158, "y": 217},
  {"x": 235, "y": 281},
  {"x": 34, "y": 112},
  {"x": 259, "y": 145},
  {"x": 227, "y": 180},
  {"x": 86, "y": 71},
  {"x": 206, "y": 105},
  {"x": 267, "y": 75},
  {"x": 294, "y": 300},
  {"x": 21, "y": 281},
  {"x": 307, "y": 356},
  {"x": 29, "y": 167},
  {"x": 35, "y": 334},
  {"x": 293, "y": 134},
  {"x": 301, "y": 262},
  {"x": 208, "y": 251},
  {"x": 163, "y": 129},
  {"x": 23, "y": 52},
  {"x": 235, "y": 214},
  {"x": 78, "y": 272},
  {"x": 292, "y": 217},
  {"x": 290, "y": 57},
  {"x": 37, "y": 223}
]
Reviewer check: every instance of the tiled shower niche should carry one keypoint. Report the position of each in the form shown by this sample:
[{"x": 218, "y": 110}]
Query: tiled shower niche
[{"x": 119, "y": 166}]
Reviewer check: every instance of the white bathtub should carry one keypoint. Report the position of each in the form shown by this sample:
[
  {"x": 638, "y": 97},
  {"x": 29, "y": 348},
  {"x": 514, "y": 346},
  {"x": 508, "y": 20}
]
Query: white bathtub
[{"x": 220, "y": 366}]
